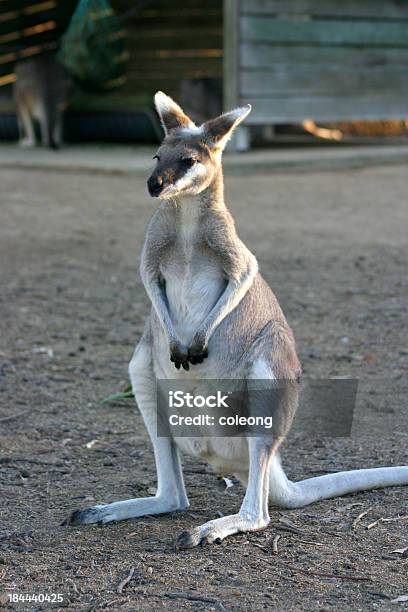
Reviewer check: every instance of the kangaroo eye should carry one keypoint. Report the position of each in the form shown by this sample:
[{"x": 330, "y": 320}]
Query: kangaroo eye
[
  {"x": 156, "y": 157},
  {"x": 188, "y": 162}
]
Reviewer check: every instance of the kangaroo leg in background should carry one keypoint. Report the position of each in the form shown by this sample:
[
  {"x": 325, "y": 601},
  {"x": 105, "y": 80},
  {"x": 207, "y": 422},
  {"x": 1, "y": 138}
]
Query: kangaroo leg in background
[
  {"x": 47, "y": 126},
  {"x": 58, "y": 129},
  {"x": 171, "y": 494},
  {"x": 26, "y": 127}
]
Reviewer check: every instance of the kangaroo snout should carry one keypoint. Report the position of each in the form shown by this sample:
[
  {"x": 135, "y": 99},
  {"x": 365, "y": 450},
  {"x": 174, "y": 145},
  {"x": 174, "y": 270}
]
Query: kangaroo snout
[{"x": 155, "y": 185}]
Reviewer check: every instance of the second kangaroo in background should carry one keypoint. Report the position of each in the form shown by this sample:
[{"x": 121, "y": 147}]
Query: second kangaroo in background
[
  {"x": 40, "y": 92},
  {"x": 214, "y": 317}
]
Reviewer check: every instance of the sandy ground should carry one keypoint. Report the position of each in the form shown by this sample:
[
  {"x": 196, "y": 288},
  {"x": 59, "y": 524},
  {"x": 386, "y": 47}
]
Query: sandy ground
[{"x": 334, "y": 247}]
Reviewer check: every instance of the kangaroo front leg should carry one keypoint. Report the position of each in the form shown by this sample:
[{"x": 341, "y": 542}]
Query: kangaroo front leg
[
  {"x": 150, "y": 274},
  {"x": 241, "y": 268},
  {"x": 253, "y": 514},
  {"x": 171, "y": 494}
]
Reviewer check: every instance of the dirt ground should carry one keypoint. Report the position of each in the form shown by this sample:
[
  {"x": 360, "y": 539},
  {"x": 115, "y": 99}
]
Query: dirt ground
[{"x": 334, "y": 247}]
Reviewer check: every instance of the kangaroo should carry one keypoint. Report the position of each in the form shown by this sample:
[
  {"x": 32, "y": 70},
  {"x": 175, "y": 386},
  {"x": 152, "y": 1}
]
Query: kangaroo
[
  {"x": 40, "y": 93},
  {"x": 213, "y": 317}
]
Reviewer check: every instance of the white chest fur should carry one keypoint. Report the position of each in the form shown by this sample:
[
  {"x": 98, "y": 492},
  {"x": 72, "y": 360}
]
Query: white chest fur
[
  {"x": 194, "y": 278},
  {"x": 188, "y": 226}
]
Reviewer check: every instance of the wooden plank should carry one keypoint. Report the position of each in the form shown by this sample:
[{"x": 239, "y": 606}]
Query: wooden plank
[
  {"x": 123, "y": 6},
  {"x": 324, "y": 32},
  {"x": 171, "y": 41},
  {"x": 175, "y": 65},
  {"x": 375, "y": 107},
  {"x": 231, "y": 54},
  {"x": 190, "y": 40},
  {"x": 179, "y": 33},
  {"x": 295, "y": 80},
  {"x": 187, "y": 54},
  {"x": 375, "y": 9},
  {"x": 265, "y": 56},
  {"x": 18, "y": 19},
  {"x": 189, "y": 73},
  {"x": 157, "y": 19}
]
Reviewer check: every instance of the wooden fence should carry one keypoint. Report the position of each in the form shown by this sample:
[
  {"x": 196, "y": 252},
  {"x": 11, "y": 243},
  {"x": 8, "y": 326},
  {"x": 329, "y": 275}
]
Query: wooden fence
[
  {"x": 167, "y": 42},
  {"x": 326, "y": 60},
  {"x": 171, "y": 41}
]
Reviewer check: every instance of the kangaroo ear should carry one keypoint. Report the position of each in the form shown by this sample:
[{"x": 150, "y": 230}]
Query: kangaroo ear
[
  {"x": 218, "y": 131},
  {"x": 171, "y": 115}
]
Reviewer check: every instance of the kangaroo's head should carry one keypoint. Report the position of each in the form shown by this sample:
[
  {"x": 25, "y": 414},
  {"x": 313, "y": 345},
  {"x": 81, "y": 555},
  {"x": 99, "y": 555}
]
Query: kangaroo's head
[{"x": 190, "y": 156}]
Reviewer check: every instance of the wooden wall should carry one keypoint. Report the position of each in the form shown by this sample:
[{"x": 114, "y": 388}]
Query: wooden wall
[
  {"x": 170, "y": 41},
  {"x": 167, "y": 42},
  {"x": 319, "y": 59}
]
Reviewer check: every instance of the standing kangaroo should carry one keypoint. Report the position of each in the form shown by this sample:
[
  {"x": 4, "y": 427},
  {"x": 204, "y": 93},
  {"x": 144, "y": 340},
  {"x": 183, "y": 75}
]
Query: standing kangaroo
[
  {"x": 214, "y": 316},
  {"x": 40, "y": 93}
]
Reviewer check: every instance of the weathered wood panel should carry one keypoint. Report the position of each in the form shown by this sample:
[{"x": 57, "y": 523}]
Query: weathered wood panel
[
  {"x": 375, "y": 9},
  {"x": 171, "y": 41},
  {"x": 335, "y": 79},
  {"x": 292, "y": 109},
  {"x": 327, "y": 60},
  {"x": 231, "y": 54},
  {"x": 324, "y": 32},
  {"x": 267, "y": 56}
]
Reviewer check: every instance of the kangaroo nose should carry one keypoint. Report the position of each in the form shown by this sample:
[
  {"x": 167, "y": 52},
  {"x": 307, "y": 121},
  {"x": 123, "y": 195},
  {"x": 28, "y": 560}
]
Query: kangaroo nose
[{"x": 155, "y": 185}]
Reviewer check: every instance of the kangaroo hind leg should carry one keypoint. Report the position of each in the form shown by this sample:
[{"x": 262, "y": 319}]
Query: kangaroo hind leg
[
  {"x": 253, "y": 514},
  {"x": 171, "y": 494}
]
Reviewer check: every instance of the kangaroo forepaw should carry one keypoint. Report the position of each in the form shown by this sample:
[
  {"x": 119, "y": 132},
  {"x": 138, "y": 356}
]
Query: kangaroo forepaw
[
  {"x": 198, "y": 350},
  {"x": 197, "y": 356},
  {"x": 179, "y": 356}
]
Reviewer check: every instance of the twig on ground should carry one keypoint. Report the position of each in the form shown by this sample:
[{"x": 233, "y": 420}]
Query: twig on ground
[
  {"x": 360, "y": 516},
  {"x": 387, "y": 520},
  {"x": 371, "y": 525},
  {"x": 400, "y": 599},
  {"x": 400, "y": 551},
  {"x": 125, "y": 581},
  {"x": 13, "y": 416},
  {"x": 331, "y": 533},
  {"x": 311, "y": 542},
  {"x": 193, "y": 597},
  {"x": 327, "y": 575},
  {"x": 393, "y": 519},
  {"x": 288, "y": 526},
  {"x": 291, "y": 528},
  {"x": 275, "y": 544},
  {"x": 259, "y": 546}
]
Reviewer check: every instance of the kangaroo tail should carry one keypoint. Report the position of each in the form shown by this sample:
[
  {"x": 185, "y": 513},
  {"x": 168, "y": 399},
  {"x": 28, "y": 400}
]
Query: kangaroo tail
[{"x": 289, "y": 494}]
